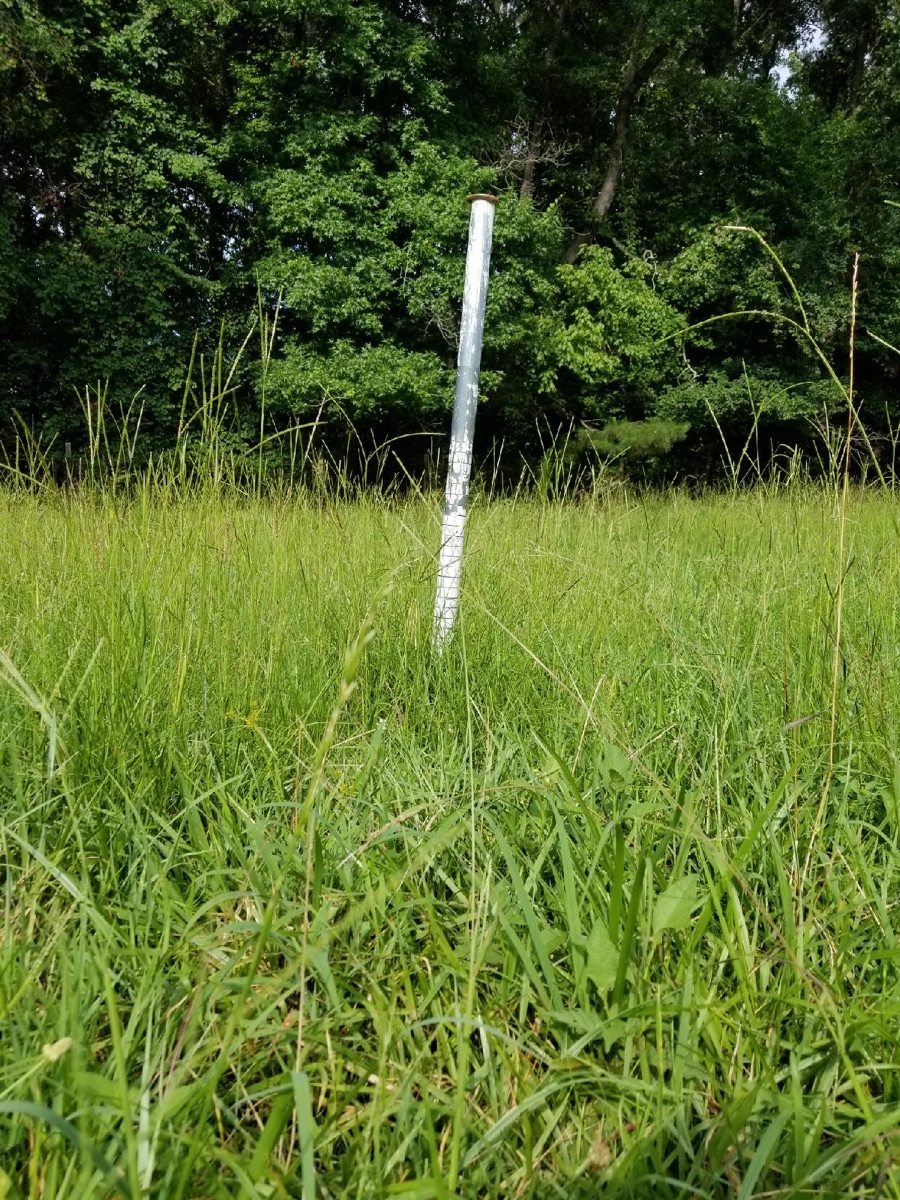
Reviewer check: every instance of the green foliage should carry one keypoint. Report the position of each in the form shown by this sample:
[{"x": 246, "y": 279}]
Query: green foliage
[
  {"x": 634, "y": 439},
  {"x": 110, "y": 183},
  {"x": 372, "y": 383},
  {"x": 162, "y": 162},
  {"x": 611, "y": 335},
  {"x": 730, "y": 400},
  {"x": 722, "y": 271},
  {"x": 376, "y": 307}
]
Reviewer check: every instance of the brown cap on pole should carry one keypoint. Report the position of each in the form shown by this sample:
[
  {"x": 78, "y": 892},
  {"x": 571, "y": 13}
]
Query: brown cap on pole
[{"x": 482, "y": 196}]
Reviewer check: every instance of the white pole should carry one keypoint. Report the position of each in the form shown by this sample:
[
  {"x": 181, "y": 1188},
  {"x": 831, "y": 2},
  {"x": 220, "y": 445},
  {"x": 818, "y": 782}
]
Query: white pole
[{"x": 462, "y": 431}]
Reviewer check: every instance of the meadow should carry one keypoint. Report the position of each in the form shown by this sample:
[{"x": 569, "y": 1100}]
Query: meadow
[{"x": 599, "y": 902}]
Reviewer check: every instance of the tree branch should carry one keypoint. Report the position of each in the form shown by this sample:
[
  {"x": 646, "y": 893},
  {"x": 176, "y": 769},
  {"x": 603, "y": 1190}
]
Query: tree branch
[{"x": 636, "y": 77}]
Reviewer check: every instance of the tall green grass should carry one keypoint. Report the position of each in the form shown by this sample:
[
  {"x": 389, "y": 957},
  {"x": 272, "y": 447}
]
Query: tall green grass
[{"x": 293, "y": 907}]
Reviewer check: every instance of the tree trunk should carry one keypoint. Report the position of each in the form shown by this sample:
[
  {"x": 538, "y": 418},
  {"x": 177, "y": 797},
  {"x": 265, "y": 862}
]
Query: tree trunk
[
  {"x": 534, "y": 150},
  {"x": 737, "y": 19},
  {"x": 637, "y": 75},
  {"x": 635, "y": 78},
  {"x": 857, "y": 72},
  {"x": 526, "y": 188}
]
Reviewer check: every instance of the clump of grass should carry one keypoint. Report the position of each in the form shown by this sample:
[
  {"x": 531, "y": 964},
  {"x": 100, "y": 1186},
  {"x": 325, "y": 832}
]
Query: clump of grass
[{"x": 528, "y": 919}]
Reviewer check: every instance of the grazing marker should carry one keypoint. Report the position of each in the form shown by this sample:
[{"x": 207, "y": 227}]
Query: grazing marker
[{"x": 459, "y": 470}]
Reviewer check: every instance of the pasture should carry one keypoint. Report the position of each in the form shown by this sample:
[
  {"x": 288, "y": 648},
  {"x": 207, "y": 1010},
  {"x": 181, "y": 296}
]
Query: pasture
[{"x": 601, "y": 902}]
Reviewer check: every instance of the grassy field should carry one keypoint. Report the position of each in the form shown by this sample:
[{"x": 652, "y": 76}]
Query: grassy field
[{"x": 580, "y": 909}]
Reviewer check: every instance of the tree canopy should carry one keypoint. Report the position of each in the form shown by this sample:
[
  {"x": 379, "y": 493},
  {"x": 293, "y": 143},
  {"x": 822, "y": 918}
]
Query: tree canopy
[{"x": 170, "y": 169}]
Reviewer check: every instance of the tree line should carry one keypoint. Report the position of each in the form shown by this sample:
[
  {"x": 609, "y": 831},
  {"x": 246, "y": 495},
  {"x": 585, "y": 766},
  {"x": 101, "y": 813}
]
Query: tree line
[{"x": 172, "y": 171}]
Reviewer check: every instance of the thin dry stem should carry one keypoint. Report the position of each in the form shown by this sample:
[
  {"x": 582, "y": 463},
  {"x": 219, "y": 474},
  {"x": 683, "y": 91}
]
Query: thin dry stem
[
  {"x": 839, "y": 589},
  {"x": 842, "y": 525}
]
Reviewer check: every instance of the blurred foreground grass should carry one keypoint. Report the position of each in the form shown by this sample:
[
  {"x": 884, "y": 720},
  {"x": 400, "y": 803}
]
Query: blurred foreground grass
[{"x": 577, "y": 910}]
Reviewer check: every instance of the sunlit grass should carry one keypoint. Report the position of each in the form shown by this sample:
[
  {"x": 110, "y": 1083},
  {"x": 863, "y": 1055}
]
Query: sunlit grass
[{"x": 574, "y": 910}]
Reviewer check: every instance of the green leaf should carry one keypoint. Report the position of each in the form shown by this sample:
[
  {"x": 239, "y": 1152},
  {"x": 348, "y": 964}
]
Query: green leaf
[
  {"x": 674, "y": 906},
  {"x": 174, "y": 1101},
  {"x": 602, "y": 957},
  {"x": 40, "y": 1112},
  {"x": 306, "y": 1129},
  {"x": 282, "y": 1107},
  {"x": 97, "y": 1087}
]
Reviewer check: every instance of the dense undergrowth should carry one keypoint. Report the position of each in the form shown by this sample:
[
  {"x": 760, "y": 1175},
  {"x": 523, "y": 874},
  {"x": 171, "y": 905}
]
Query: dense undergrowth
[{"x": 600, "y": 902}]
